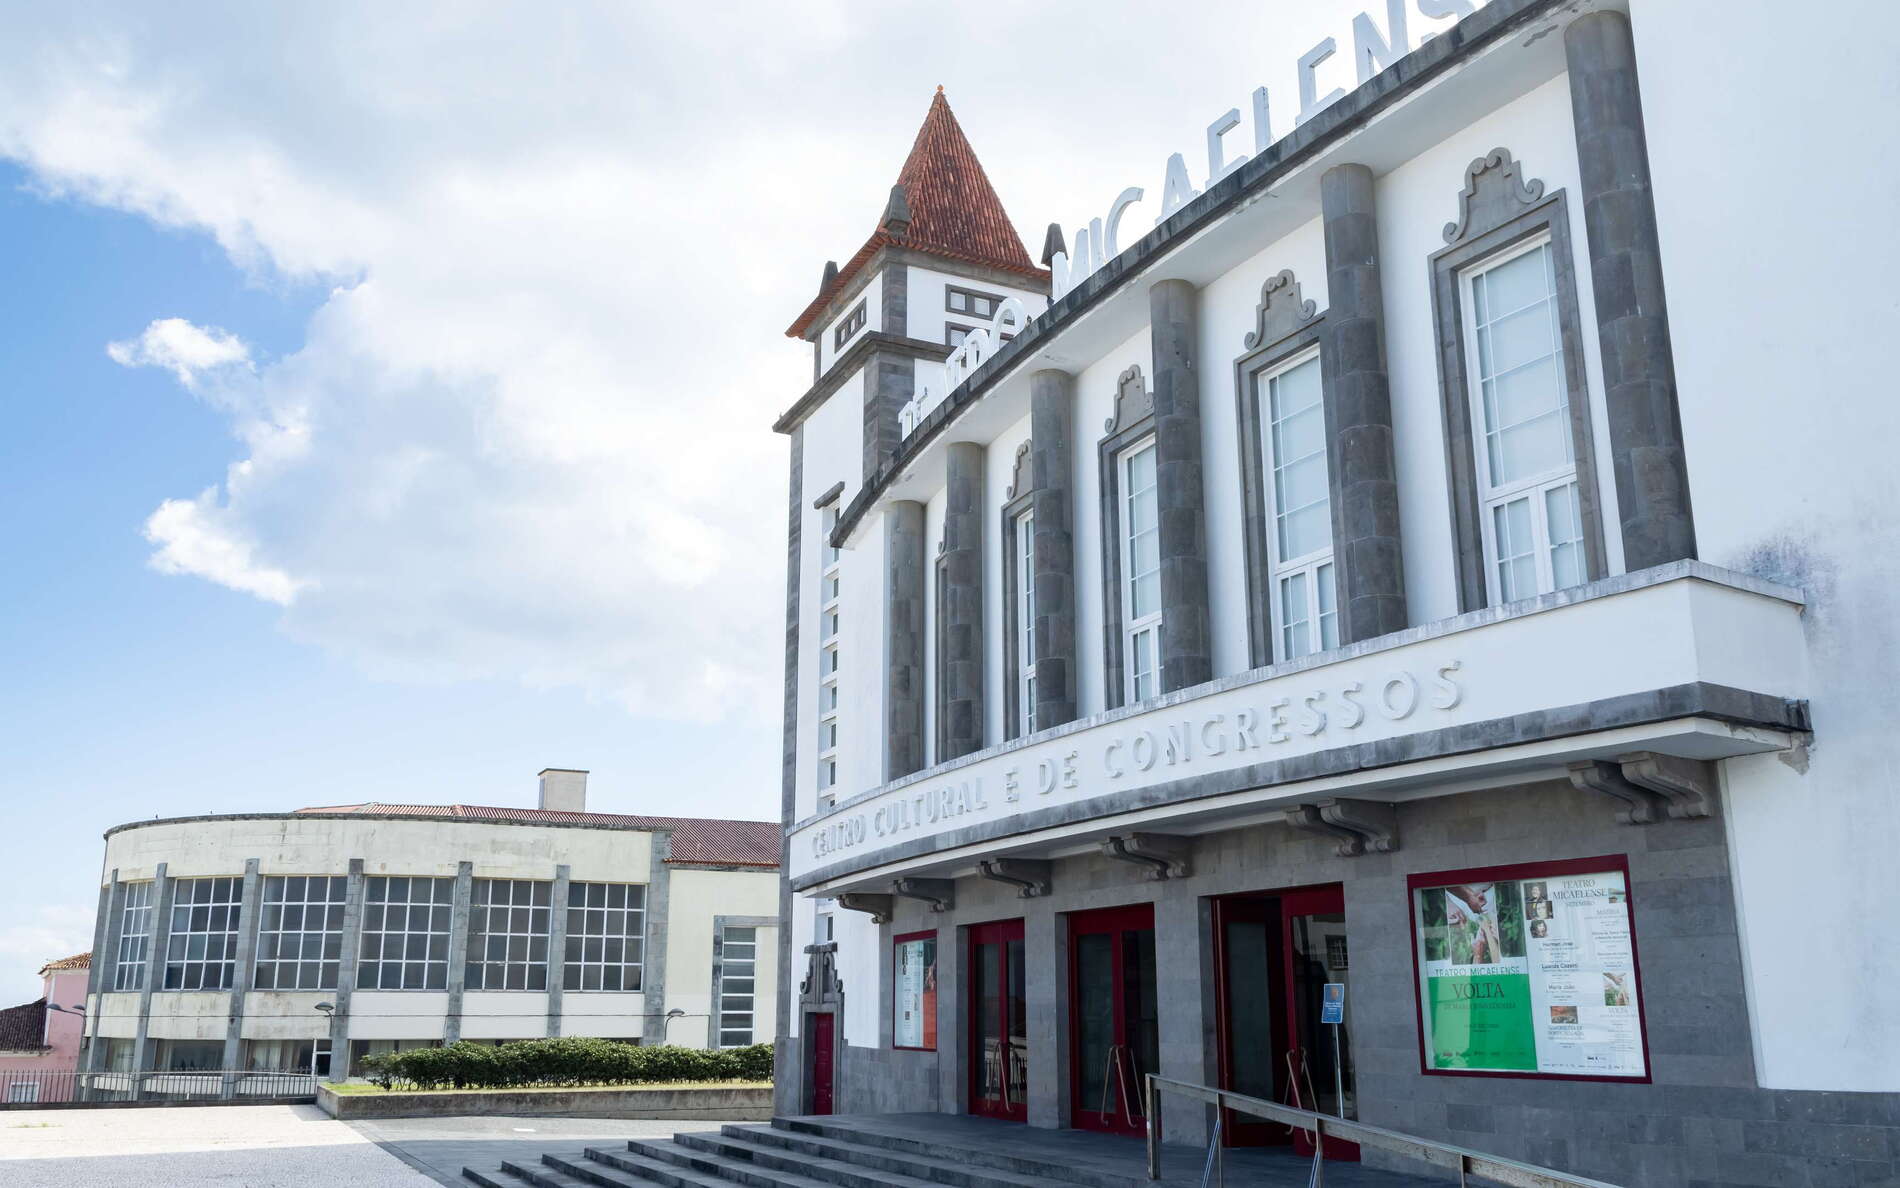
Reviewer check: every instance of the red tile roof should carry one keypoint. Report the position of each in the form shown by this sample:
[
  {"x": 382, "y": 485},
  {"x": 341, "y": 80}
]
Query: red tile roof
[
  {"x": 697, "y": 840},
  {"x": 76, "y": 961},
  {"x": 954, "y": 212}
]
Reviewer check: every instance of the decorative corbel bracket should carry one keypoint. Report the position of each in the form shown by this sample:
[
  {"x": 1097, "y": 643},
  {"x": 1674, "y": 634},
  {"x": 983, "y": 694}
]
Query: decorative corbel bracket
[
  {"x": 1652, "y": 786},
  {"x": 1687, "y": 786},
  {"x": 940, "y": 894},
  {"x": 1165, "y": 856},
  {"x": 1640, "y": 806},
  {"x": 1359, "y": 826},
  {"x": 1030, "y": 876},
  {"x": 877, "y": 906}
]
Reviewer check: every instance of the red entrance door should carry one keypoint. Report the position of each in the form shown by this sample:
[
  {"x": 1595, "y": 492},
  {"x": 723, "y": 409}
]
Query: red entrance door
[
  {"x": 999, "y": 1030},
  {"x": 1114, "y": 1021},
  {"x": 1273, "y": 953},
  {"x": 822, "y": 1048}
]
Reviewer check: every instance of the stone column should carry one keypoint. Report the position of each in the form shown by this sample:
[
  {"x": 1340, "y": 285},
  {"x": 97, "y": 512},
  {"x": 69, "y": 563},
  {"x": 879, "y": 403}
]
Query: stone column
[
  {"x": 557, "y": 948},
  {"x": 460, "y": 907},
  {"x": 654, "y": 920},
  {"x": 1180, "y": 943},
  {"x": 903, "y": 640},
  {"x": 1052, "y": 467},
  {"x": 1046, "y": 988},
  {"x": 105, "y": 958},
  {"x": 1367, "y": 561},
  {"x": 960, "y": 617},
  {"x": 243, "y": 972},
  {"x": 157, "y": 937},
  {"x": 1187, "y": 653},
  {"x": 351, "y": 952},
  {"x": 1619, "y": 216}
]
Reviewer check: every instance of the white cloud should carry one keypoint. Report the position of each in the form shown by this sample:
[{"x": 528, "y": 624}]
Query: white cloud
[
  {"x": 181, "y": 348},
  {"x": 32, "y": 937},
  {"x": 527, "y": 433}
]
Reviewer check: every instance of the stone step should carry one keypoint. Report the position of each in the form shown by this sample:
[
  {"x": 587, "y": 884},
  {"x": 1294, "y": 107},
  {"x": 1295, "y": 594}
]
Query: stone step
[
  {"x": 1049, "y": 1170},
  {"x": 514, "y": 1174},
  {"x": 734, "y": 1169},
  {"x": 610, "y": 1167},
  {"x": 881, "y": 1164}
]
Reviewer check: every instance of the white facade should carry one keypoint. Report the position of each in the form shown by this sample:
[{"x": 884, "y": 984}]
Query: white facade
[{"x": 1787, "y": 593}]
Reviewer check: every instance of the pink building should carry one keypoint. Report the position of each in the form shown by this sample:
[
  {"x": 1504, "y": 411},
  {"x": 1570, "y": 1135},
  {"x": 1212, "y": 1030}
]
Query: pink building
[{"x": 37, "y": 1043}]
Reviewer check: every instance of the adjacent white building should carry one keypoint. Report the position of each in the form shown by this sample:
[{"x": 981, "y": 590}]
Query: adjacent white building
[
  {"x": 309, "y": 939},
  {"x": 1443, "y": 552}
]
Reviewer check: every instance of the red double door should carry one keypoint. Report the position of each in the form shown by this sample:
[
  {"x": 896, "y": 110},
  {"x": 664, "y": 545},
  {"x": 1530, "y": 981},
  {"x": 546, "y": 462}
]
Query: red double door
[
  {"x": 1114, "y": 1017},
  {"x": 823, "y": 1037},
  {"x": 1273, "y": 953}
]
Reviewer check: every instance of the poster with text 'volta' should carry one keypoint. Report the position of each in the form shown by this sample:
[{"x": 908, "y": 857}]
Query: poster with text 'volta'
[{"x": 1533, "y": 975}]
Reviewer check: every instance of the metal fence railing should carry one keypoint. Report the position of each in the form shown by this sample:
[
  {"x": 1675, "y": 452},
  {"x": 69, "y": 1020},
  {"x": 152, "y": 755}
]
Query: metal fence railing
[
  {"x": 63, "y": 1087},
  {"x": 1462, "y": 1160}
]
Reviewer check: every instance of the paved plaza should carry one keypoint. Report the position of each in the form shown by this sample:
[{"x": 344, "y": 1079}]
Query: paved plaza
[{"x": 279, "y": 1146}]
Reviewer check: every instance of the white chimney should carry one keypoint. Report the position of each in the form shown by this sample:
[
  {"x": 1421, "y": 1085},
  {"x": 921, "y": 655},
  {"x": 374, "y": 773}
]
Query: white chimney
[{"x": 564, "y": 790}]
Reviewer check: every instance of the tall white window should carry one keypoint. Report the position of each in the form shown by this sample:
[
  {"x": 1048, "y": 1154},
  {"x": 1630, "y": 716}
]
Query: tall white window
[
  {"x": 738, "y": 969},
  {"x": 300, "y": 932},
  {"x": 1526, "y": 462},
  {"x": 606, "y": 936},
  {"x": 1025, "y": 596},
  {"x": 828, "y": 643},
  {"x": 201, "y": 948},
  {"x": 1299, "y": 507},
  {"x": 135, "y": 938},
  {"x": 508, "y": 935},
  {"x": 1141, "y": 573}
]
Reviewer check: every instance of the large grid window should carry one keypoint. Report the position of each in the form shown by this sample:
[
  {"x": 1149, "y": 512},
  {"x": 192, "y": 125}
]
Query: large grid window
[
  {"x": 300, "y": 932},
  {"x": 1299, "y": 508},
  {"x": 201, "y": 949},
  {"x": 135, "y": 937},
  {"x": 1141, "y": 572},
  {"x": 606, "y": 936},
  {"x": 1529, "y": 505},
  {"x": 738, "y": 969},
  {"x": 1025, "y": 597},
  {"x": 405, "y": 934},
  {"x": 508, "y": 935},
  {"x": 828, "y": 643}
]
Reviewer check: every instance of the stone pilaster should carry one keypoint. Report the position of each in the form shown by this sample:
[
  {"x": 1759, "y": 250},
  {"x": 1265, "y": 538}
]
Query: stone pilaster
[
  {"x": 1052, "y": 435},
  {"x": 557, "y": 948},
  {"x": 158, "y": 937},
  {"x": 459, "y": 911},
  {"x": 1619, "y": 217},
  {"x": 960, "y": 617},
  {"x": 1186, "y": 630},
  {"x": 890, "y": 380},
  {"x": 904, "y": 639},
  {"x": 654, "y": 919},
  {"x": 1368, "y": 562},
  {"x": 243, "y": 972},
  {"x": 352, "y": 951}
]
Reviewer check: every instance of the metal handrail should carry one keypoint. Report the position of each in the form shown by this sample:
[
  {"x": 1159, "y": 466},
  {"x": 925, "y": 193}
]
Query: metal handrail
[{"x": 1462, "y": 1160}]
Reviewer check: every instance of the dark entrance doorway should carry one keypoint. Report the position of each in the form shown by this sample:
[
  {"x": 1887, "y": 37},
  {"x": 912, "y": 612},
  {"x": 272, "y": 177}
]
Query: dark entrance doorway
[
  {"x": 999, "y": 1031},
  {"x": 1273, "y": 952},
  {"x": 822, "y": 1034},
  {"x": 1115, "y": 1036}
]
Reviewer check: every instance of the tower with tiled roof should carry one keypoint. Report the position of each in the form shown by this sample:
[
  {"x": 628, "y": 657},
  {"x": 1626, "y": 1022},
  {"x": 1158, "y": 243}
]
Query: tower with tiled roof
[{"x": 942, "y": 259}]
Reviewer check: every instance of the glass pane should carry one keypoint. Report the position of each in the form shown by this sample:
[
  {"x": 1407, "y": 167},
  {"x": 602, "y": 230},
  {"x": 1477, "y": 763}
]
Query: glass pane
[
  {"x": 1095, "y": 1008},
  {"x": 1328, "y": 608},
  {"x": 989, "y": 1022},
  {"x": 1295, "y": 636},
  {"x": 1565, "y": 529},
  {"x": 1517, "y": 566}
]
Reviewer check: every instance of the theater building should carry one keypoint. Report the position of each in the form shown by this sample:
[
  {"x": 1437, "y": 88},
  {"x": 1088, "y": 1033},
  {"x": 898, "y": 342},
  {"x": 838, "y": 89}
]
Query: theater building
[
  {"x": 307, "y": 940},
  {"x": 1440, "y": 548}
]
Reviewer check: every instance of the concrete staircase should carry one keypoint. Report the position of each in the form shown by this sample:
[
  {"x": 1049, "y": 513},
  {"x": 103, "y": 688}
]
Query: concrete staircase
[
  {"x": 902, "y": 1151},
  {"x": 789, "y": 1153}
]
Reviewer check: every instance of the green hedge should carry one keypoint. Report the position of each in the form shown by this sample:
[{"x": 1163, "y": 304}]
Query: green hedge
[{"x": 566, "y": 1061}]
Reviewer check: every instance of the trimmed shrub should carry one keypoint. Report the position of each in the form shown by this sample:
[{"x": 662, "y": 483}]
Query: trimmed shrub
[{"x": 565, "y": 1061}]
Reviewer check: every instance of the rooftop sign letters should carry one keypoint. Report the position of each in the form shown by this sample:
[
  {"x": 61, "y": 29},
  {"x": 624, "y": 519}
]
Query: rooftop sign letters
[{"x": 1373, "y": 49}]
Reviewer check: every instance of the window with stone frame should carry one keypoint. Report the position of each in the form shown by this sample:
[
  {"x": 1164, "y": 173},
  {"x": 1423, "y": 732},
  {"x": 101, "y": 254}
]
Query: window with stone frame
[
  {"x": 1299, "y": 513},
  {"x": 1131, "y": 546},
  {"x": 738, "y": 973},
  {"x": 849, "y": 325},
  {"x": 1019, "y": 597},
  {"x": 830, "y": 625}
]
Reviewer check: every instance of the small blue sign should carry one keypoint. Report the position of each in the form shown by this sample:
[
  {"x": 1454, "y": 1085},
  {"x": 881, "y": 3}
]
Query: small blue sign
[{"x": 1332, "y": 1003}]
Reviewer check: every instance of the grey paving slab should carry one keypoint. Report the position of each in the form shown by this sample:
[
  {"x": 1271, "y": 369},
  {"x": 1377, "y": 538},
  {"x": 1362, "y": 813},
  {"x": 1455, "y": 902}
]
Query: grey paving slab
[{"x": 289, "y": 1146}]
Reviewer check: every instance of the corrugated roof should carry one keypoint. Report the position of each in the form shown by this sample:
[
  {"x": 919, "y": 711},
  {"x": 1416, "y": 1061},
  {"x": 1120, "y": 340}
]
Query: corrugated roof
[
  {"x": 23, "y": 1028},
  {"x": 700, "y": 840},
  {"x": 76, "y": 961},
  {"x": 954, "y": 212}
]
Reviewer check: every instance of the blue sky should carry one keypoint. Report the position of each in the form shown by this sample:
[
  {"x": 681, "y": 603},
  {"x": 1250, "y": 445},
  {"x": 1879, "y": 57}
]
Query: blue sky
[{"x": 434, "y": 448}]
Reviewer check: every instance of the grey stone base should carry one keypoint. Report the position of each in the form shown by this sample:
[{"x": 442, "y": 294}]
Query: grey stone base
[{"x": 736, "y": 1104}]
